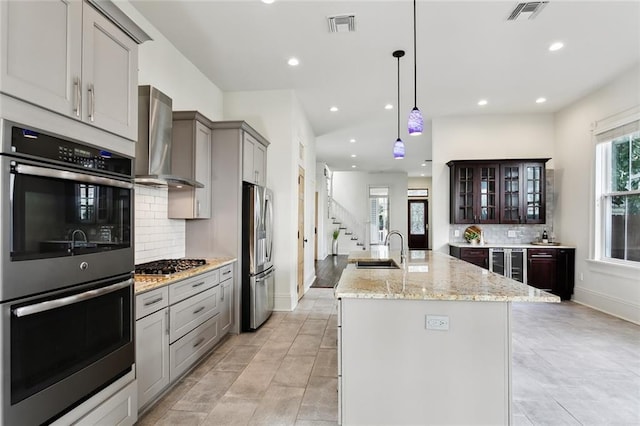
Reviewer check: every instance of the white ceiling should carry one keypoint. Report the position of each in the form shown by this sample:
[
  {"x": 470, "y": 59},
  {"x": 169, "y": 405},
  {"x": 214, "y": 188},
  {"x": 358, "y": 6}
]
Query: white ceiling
[{"x": 466, "y": 51}]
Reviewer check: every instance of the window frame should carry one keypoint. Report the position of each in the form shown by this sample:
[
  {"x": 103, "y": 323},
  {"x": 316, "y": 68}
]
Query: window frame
[{"x": 604, "y": 133}]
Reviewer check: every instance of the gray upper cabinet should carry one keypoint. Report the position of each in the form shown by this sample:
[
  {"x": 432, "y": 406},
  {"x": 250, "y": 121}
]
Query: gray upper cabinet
[
  {"x": 191, "y": 158},
  {"x": 67, "y": 57},
  {"x": 254, "y": 160}
]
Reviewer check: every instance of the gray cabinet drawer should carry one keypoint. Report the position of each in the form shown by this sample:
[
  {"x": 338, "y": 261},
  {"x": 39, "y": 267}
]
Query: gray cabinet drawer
[
  {"x": 151, "y": 301},
  {"x": 194, "y": 285},
  {"x": 191, "y": 347},
  {"x": 226, "y": 272},
  {"x": 190, "y": 313}
]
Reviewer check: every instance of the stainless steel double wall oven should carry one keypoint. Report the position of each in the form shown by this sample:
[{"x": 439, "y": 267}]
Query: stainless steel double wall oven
[{"x": 66, "y": 262}]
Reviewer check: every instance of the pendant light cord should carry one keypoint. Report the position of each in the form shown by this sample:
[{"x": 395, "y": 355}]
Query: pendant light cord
[
  {"x": 415, "y": 60},
  {"x": 398, "y": 97}
]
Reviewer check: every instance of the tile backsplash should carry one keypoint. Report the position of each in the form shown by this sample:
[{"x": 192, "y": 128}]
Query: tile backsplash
[
  {"x": 500, "y": 234},
  {"x": 156, "y": 236}
]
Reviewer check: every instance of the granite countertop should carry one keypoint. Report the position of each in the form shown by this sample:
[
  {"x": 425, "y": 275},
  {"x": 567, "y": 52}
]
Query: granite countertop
[
  {"x": 513, "y": 245},
  {"x": 431, "y": 275},
  {"x": 145, "y": 283}
]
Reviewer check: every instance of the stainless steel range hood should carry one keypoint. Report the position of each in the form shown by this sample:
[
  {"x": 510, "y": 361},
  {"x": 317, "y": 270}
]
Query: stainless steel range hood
[{"x": 153, "y": 150}]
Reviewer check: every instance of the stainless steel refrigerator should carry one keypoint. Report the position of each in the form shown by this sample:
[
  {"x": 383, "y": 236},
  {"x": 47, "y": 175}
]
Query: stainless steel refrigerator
[{"x": 258, "y": 285}]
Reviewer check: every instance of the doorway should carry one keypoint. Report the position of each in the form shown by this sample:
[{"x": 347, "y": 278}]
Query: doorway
[
  {"x": 418, "y": 224},
  {"x": 301, "y": 238},
  {"x": 379, "y": 214}
]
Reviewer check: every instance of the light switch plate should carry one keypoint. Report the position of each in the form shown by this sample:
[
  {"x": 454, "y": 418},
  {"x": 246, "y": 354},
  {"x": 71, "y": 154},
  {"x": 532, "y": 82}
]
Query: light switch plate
[{"x": 511, "y": 234}]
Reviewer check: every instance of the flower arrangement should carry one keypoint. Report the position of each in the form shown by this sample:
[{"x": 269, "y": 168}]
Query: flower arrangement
[{"x": 336, "y": 233}]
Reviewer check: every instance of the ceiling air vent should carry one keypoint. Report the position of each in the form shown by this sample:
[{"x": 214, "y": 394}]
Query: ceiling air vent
[
  {"x": 342, "y": 23},
  {"x": 529, "y": 10}
]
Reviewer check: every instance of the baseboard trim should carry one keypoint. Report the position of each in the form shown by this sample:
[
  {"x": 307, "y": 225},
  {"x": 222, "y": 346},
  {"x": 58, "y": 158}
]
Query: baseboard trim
[
  {"x": 284, "y": 302},
  {"x": 617, "y": 307}
]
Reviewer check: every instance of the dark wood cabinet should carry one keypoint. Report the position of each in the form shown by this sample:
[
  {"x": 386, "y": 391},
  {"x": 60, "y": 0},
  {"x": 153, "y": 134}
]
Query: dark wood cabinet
[
  {"x": 477, "y": 256},
  {"x": 475, "y": 193},
  {"x": 498, "y": 191},
  {"x": 552, "y": 270}
]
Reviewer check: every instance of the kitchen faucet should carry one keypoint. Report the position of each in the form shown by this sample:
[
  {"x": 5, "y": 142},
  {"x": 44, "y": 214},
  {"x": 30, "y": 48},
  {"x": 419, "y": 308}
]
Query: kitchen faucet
[{"x": 386, "y": 243}]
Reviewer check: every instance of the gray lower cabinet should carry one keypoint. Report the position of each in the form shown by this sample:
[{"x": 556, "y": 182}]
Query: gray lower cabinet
[
  {"x": 176, "y": 325},
  {"x": 152, "y": 355},
  {"x": 226, "y": 299},
  {"x": 152, "y": 343}
]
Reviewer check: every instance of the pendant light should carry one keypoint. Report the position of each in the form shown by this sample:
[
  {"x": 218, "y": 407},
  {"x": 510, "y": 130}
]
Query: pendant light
[
  {"x": 416, "y": 122},
  {"x": 398, "y": 146}
]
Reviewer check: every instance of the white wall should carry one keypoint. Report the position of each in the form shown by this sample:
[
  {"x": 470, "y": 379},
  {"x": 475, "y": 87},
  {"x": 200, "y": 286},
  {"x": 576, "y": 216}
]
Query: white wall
[
  {"x": 615, "y": 290},
  {"x": 321, "y": 190},
  {"x": 279, "y": 118},
  {"x": 482, "y": 137},
  {"x": 351, "y": 189},
  {"x": 161, "y": 65}
]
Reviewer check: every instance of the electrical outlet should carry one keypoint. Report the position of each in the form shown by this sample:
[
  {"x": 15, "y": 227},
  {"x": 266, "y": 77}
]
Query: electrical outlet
[
  {"x": 511, "y": 234},
  {"x": 437, "y": 322},
  {"x": 581, "y": 276},
  {"x": 456, "y": 233}
]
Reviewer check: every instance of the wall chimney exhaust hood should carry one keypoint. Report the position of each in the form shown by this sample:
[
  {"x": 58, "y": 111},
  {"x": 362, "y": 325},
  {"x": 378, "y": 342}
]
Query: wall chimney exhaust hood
[{"x": 153, "y": 150}]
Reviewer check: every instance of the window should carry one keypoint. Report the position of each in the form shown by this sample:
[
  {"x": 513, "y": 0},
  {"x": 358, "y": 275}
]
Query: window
[{"x": 618, "y": 194}]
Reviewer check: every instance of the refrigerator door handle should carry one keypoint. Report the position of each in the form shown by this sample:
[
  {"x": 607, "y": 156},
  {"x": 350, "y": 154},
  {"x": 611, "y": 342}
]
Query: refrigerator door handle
[{"x": 263, "y": 277}]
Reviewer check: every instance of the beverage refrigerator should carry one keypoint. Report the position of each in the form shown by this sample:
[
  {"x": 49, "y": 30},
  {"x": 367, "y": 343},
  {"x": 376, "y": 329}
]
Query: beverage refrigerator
[{"x": 510, "y": 262}]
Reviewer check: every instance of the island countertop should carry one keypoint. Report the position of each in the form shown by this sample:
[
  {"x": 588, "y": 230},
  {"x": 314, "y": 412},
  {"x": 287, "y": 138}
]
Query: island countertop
[{"x": 429, "y": 275}]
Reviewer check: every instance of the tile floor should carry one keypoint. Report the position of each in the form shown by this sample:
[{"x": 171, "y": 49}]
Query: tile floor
[{"x": 571, "y": 366}]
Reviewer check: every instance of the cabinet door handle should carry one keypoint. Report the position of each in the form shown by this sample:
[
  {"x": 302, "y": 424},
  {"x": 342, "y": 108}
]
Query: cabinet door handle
[
  {"x": 257, "y": 173},
  {"x": 77, "y": 95},
  {"x": 199, "y": 342},
  {"x": 227, "y": 272},
  {"x": 198, "y": 208},
  {"x": 92, "y": 103},
  {"x": 197, "y": 311},
  {"x": 153, "y": 302},
  {"x": 197, "y": 284},
  {"x": 166, "y": 317},
  {"x": 222, "y": 294},
  {"x": 541, "y": 255}
]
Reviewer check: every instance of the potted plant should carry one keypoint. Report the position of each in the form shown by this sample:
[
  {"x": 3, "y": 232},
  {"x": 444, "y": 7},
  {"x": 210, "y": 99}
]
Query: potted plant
[{"x": 334, "y": 246}]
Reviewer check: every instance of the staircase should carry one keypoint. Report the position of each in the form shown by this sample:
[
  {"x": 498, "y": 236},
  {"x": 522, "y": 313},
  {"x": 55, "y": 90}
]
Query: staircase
[{"x": 352, "y": 232}]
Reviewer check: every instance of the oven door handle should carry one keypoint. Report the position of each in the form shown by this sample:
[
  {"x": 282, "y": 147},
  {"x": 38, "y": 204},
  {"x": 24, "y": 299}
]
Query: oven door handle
[
  {"x": 26, "y": 169},
  {"x": 69, "y": 300}
]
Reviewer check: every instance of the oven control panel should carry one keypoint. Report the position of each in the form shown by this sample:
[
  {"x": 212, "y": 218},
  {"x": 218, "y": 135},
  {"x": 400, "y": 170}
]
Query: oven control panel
[{"x": 36, "y": 144}]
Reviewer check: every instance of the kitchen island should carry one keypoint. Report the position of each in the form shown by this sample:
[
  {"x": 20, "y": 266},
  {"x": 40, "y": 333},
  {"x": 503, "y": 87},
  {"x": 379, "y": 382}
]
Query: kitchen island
[{"x": 427, "y": 343}]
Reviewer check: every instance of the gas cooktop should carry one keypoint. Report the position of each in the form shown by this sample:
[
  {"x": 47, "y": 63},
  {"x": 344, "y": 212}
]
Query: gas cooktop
[{"x": 168, "y": 266}]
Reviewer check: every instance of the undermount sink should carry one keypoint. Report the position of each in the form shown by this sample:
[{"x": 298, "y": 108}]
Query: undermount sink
[{"x": 377, "y": 264}]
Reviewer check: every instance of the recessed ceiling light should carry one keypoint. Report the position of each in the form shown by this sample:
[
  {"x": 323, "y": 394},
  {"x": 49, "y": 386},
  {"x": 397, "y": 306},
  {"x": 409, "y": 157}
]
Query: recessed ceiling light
[
  {"x": 352, "y": 140},
  {"x": 353, "y": 166},
  {"x": 482, "y": 102},
  {"x": 422, "y": 174},
  {"x": 424, "y": 164},
  {"x": 267, "y": 1},
  {"x": 333, "y": 109},
  {"x": 541, "y": 100},
  {"x": 388, "y": 106},
  {"x": 556, "y": 46},
  {"x": 353, "y": 156},
  {"x": 293, "y": 62}
]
